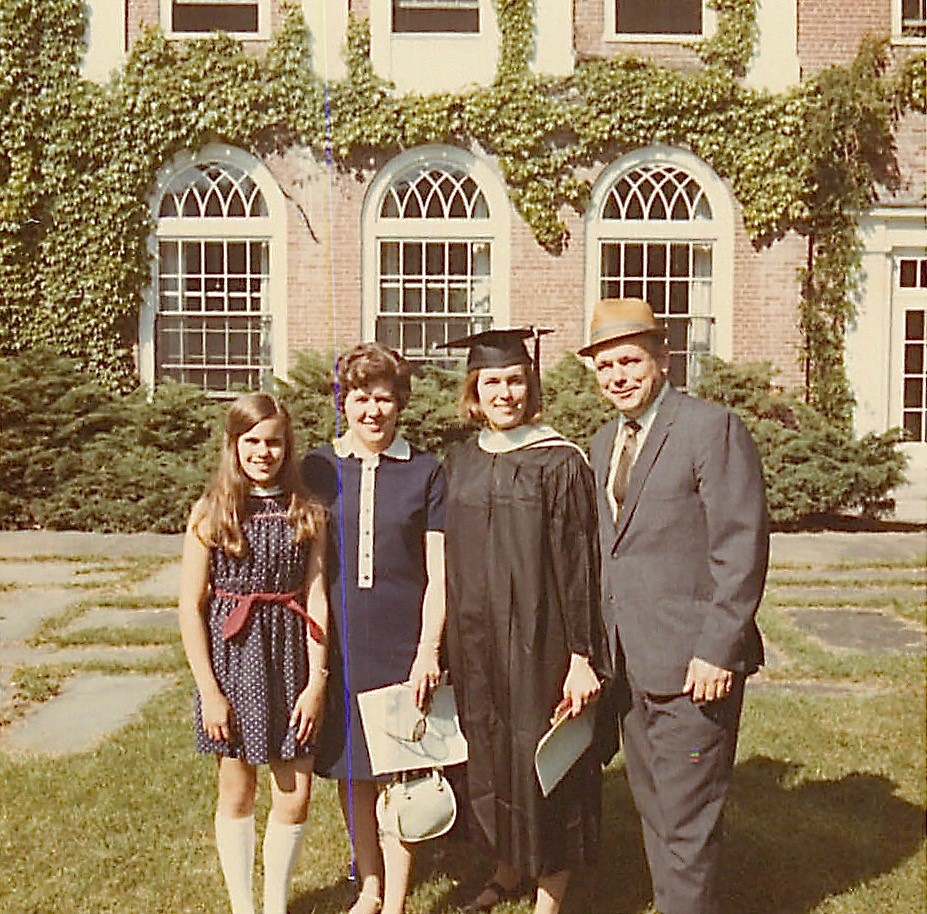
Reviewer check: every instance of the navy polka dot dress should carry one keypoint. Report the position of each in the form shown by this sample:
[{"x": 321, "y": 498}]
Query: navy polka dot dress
[{"x": 262, "y": 669}]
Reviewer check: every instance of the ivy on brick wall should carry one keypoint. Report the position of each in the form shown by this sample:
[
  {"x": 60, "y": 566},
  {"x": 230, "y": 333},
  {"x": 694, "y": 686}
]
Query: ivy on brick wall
[{"x": 78, "y": 161}]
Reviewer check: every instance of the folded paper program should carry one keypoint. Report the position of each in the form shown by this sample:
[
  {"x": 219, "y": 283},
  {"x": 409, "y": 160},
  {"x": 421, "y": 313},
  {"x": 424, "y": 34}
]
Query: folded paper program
[{"x": 401, "y": 738}]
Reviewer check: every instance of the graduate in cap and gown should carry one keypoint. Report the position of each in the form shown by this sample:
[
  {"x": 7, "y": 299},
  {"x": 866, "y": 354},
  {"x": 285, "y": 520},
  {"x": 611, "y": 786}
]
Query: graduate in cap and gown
[{"x": 524, "y": 626}]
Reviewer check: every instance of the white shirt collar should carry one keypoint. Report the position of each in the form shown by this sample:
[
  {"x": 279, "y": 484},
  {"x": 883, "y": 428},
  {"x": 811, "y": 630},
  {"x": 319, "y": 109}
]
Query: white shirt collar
[{"x": 348, "y": 446}]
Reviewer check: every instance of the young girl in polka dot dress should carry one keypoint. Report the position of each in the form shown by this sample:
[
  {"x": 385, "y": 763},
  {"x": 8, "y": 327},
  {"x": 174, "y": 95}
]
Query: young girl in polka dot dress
[{"x": 253, "y": 617}]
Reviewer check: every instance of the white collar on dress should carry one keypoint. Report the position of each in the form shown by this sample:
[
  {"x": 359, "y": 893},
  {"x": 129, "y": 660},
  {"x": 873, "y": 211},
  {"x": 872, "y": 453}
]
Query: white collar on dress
[
  {"x": 503, "y": 441},
  {"x": 348, "y": 446},
  {"x": 268, "y": 492}
]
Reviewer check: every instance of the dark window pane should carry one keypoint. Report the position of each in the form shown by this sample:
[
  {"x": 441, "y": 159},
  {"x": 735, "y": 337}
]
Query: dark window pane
[
  {"x": 656, "y": 260},
  {"x": 435, "y": 18},
  {"x": 434, "y": 258},
  {"x": 412, "y": 259},
  {"x": 913, "y": 358},
  {"x": 679, "y": 260},
  {"x": 913, "y": 426},
  {"x": 389, "y": 258},
  {"x": 412, "y": 301},
  {"x": 659, "y": 17},
  {"x": 388, "y": 332},
  {"x": 434, "y": 299},
  {"x": 611, "y": 260},
  {"x": 215, "y": 261},
  {"x": 677, "y": 370},
  {"x": 914, "y": 325},
  {"x": 679, "y": 298},
  {"x": 908, "y": 274},
  {"x": 656, "y": 296},
  {"x": 634, "y": 289},
  {"x": 913, "y": 393},
  {"x": 677, "y": 335},
  {"x": 215, "y": 17},
  {"x": 237, "y": 254},
  {"x": 611, "y": 289},
  {"x": 457, "y": 259},
  {"x": 634, "y": 260},
  {"x": 191, "y": 257}
]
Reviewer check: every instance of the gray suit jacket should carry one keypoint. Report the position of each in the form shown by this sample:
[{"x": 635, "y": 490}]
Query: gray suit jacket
[{"x": 683, "y": 569}]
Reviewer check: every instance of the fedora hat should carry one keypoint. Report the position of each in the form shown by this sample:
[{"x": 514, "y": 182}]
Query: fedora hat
[{"x": 616, "y": 318}]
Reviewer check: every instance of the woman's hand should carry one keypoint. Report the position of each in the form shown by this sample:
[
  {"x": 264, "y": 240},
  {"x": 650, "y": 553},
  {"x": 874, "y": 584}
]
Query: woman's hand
[
  {"x": 581, "y": 686},
  {"x": 307, "y": 712},
  {"x": 217, "y": 715},
  {"x": 424, "y": 676}
]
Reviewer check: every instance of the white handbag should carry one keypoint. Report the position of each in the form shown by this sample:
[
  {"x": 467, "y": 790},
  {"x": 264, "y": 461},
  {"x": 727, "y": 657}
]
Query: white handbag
[{"x": 417, "y": 808}]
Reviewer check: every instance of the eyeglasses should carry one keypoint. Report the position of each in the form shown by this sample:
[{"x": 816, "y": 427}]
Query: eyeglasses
[{"x": 417, "y": 734}]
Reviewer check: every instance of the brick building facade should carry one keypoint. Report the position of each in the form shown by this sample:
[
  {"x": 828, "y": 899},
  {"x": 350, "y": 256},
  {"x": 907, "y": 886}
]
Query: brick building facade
[{"x": 426, "y": 244}]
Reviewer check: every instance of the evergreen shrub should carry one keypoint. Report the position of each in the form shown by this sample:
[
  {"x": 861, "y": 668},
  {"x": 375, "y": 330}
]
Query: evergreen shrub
[
  {"x": 78, "y": 456},
  {"x": 812, "y": 465}
]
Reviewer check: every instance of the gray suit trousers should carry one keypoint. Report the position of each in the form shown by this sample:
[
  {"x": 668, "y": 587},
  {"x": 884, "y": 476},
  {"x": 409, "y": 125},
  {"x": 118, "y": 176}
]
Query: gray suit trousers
[{"x": 679, "y": 757}]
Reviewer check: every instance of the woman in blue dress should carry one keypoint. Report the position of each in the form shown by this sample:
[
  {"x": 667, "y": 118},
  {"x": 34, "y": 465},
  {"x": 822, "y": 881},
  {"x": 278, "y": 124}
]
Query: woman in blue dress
[{"x": 386, "y": 591}]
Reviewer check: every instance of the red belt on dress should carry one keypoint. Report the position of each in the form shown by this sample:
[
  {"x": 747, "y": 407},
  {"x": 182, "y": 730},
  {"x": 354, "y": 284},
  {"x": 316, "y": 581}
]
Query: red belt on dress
[{"x": 244, "y": 604}]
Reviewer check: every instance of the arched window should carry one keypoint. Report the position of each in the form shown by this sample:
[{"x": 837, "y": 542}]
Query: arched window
[
  {"x": 654, "y": 233},
  {"x": 433, "y": 253},
  {"x": 215, "y": 238}
]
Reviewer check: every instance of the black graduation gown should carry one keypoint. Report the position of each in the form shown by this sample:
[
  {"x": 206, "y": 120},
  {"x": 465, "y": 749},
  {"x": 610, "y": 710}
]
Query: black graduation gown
[{"x": 523, "y": 593}]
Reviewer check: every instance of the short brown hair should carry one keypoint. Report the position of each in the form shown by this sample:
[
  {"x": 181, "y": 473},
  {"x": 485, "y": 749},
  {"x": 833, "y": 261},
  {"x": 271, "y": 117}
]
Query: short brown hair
[
  {"x": 469, "y": 408},
  {"x": 373, "y": 363}
]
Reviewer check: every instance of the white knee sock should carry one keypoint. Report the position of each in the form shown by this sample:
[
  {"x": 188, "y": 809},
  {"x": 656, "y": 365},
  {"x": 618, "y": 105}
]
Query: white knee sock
[
  {"x": 281, "y": 848},
  {"x": 235, "y": 843}
]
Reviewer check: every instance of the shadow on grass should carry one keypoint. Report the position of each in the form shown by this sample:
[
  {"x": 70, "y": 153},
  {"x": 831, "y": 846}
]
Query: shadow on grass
[{"x": 789, "y": 844}]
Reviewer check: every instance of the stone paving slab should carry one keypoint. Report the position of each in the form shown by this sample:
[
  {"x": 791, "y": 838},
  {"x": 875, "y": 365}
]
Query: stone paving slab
[
  {"x": 124, "y": 618},
  {"x": 831, "y": 547},
  {"x": 22, "y": 612},
  {"x": 164, "y": 583},
  {"x": 88, "y": 708},
  {"x": 26, "y": 543},
  {"x": 40, "y": 574},
  {"x": 849, "y": 596},
  {"x": 861, "y": 630},
  {"x": 825, "y": 547},
  {"x": 20, "y": 655}
]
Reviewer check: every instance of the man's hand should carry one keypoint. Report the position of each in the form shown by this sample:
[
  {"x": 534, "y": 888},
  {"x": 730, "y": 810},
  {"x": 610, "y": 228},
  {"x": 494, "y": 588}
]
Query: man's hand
[{"x": 707, "y": 682}]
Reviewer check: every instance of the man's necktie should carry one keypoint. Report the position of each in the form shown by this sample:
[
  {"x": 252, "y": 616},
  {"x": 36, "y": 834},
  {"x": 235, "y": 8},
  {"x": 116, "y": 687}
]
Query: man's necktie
[{"x": 625, "y": 462}]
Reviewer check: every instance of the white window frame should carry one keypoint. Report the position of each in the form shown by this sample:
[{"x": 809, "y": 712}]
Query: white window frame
[
  {"x": 718, "y": 231},
  {"x": 262, "y": 33},
  {"x": 271, "y": 228},
  {"x": 897, "y": 24},
  {"x": 709, "y": 27},
  {"x": 495, "y": 229},
  {"x": 902, "y": 300}
]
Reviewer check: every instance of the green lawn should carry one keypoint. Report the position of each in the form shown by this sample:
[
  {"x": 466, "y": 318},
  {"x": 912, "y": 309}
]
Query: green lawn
[{"x": 826, "y": 813}]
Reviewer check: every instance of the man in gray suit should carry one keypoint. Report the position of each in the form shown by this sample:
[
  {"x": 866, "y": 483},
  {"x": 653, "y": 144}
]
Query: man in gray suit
[{"x": 685, "y": 543}]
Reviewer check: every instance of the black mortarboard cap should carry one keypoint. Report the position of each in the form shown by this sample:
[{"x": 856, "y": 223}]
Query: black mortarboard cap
[{"x": 500, "y": 348}]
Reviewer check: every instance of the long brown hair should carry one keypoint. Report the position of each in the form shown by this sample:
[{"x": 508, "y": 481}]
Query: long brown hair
[{"x": 217, "y": 516}]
